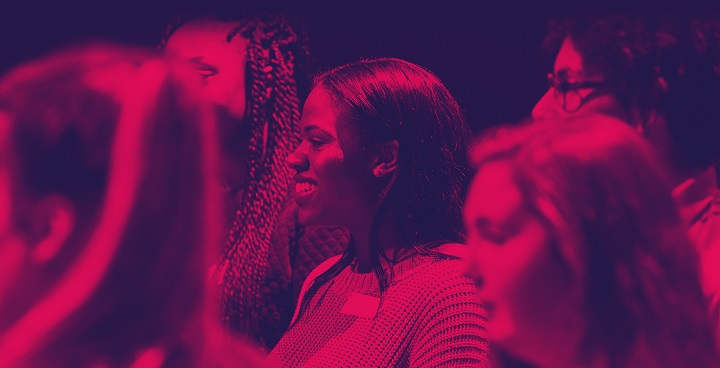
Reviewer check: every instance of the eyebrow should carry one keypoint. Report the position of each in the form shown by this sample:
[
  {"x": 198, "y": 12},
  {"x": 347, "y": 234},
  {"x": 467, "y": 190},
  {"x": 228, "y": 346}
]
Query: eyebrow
[
  {"x": 199, "y": 60},
  {"x": 311, "y": 127}
]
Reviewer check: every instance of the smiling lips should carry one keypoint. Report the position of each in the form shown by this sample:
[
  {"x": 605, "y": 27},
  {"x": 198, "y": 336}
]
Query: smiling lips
[{"x": 304, "y": 188}]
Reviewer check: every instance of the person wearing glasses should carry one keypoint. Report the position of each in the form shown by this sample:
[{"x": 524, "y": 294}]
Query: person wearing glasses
[{"x": 661, "y": 74}]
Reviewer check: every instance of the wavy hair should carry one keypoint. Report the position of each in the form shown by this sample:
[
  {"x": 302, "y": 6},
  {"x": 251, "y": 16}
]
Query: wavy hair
[
  {"x": 606, "y": 202},
  {"x": 119, "y": 133}
]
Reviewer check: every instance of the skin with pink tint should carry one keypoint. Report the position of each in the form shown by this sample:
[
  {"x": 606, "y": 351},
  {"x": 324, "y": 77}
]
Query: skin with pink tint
[
  {"x": 521, "y": 278},
  {"x": 570, "y": 67},
  {"x": 220, "y": 64},
  {"x": 334, "y": 179}
]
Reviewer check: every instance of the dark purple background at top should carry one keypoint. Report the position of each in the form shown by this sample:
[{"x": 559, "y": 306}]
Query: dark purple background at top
[{"x": 490, "y": 60}]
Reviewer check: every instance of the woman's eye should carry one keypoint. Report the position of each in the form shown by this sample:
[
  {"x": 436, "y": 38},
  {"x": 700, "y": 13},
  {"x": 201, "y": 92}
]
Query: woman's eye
[
  {"x": 498, "y": 236},
  {"x": 498, "y": 239},
  {"x": 564, "y": 86},
  {"x": 205, "y": 73},
  {"x": 316, "y": 142}
]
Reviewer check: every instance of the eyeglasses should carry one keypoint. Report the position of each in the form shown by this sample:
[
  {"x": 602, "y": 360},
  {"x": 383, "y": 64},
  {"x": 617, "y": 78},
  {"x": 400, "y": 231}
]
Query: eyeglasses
[{"x": 568, "y": 94}]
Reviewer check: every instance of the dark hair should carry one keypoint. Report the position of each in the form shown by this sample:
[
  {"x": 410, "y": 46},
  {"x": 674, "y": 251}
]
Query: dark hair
[
  {"x": 276, "y": 77},
  {"x": 606, "y": 203},
  {"x": 660, "y": 62},
  {"x": 120, "y": 134},
  {"x": 392, "y": 99}
]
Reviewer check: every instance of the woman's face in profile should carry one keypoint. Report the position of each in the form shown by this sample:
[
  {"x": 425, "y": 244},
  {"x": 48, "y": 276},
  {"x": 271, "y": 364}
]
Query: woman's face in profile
[
  {"x": 220, "y": 64},
  {"x": 333, "y": 178},
  {"x": 520, "y": 280},
  {"x": 575, "y": 89}
]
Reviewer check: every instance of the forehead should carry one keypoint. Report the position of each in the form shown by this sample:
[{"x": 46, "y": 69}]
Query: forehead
[
  {"x": 320, "y": 110},
  {"x": 493, "y": 193},
  {"x": 206, "y": 38},
  {"x": 568, "y": 58}
]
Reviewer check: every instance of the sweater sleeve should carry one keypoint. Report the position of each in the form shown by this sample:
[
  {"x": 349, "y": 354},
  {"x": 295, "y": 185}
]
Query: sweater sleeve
[{"x": 453, "y": 332}]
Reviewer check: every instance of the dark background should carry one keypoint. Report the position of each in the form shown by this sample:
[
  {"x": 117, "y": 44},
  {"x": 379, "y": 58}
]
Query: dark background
[{"x": 490, "y": 60}]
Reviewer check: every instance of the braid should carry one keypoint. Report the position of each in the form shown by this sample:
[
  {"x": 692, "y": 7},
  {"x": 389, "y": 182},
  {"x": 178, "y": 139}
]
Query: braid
[{"x": 273, "y": 113}]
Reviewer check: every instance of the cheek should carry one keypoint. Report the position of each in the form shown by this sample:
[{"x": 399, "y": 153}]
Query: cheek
[
  {"x": 606, "y": 105},
  {"x": 225, "y": 89},
  {"x": 527, "y": 283},
  {"x": 547, "y": 107}
]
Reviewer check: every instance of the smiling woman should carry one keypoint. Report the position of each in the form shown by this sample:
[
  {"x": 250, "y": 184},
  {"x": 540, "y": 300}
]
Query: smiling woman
[
  {"x": 384, "y": 153},
  {"x": 252, "y": 69}
]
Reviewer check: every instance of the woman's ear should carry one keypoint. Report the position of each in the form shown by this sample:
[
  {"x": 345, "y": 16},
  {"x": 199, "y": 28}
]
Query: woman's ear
[
  {"x": 386, "y": 161},
  {"x": 53, "y": 222}
]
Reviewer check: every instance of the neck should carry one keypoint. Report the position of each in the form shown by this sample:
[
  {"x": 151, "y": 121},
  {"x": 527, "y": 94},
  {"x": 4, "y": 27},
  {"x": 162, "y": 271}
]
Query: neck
[{"x": 388, "y": 236}]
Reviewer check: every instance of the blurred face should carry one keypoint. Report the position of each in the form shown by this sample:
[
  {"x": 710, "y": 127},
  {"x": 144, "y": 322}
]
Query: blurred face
[
  {"x": 522, "y": 282},
  {"x": 220, "y": 64},
  {"x": 575, "y": 89},
  {"x": 334, "y": 183}
]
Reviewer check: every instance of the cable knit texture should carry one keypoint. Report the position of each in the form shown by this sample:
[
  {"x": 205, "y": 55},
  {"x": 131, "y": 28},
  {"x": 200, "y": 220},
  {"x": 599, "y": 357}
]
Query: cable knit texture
[{"x": 430, "y": 316}]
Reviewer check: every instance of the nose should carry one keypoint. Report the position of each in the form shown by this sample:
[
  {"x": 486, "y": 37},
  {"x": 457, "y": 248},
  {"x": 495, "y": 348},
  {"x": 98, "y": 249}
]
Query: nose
[
  {"x": 297, "y": 160},
  {"x": 546, "y": 107}
]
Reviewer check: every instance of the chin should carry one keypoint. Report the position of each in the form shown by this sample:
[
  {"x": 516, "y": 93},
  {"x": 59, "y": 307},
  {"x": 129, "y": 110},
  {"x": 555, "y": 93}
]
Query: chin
[
  {"x": 501, "y": 332},
  {"x": 305, "y": 218}
]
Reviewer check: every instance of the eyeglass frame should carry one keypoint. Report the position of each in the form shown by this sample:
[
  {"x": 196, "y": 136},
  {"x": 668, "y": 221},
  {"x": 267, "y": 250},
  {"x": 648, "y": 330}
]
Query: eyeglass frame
[{"x": 556, "y": 84}]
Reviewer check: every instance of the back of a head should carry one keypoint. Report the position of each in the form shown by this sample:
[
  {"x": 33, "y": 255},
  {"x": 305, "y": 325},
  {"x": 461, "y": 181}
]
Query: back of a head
[
  {"x": 667, "y": 64},
  {"x": 392, "y": 99},
  {"x": 118, "y": 133},
  {"x": 607, "y": 205}
]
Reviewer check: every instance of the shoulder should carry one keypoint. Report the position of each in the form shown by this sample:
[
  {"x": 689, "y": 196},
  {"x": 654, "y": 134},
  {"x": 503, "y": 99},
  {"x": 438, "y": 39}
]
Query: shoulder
[
  {"x": 441, "y": 275},
  {"x": 322, "y": 267},
  {"x": 317, "y": 271}
]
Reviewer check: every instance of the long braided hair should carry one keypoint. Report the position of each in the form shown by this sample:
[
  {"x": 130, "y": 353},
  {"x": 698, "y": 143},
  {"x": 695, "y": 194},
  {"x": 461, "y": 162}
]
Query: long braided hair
[{"x": 276, "y": 78}]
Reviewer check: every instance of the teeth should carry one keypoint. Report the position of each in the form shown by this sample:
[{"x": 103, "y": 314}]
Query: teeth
[{"x": 304, "y": 187}]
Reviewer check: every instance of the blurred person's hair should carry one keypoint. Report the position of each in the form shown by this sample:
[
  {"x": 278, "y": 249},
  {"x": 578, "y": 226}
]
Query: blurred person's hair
[
  {"x": 605, "y": 201},
  {"x": 119, "y": 133}
]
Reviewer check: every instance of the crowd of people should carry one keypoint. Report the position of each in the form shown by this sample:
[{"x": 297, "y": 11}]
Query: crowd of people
[{"x": 212, "y": 203}]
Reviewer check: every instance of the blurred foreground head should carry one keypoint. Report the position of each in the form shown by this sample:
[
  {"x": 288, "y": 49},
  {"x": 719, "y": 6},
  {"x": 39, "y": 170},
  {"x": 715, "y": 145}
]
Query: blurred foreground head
[
  {"x": 576, "y": 243},
  {"x": 107, "y": 208}
]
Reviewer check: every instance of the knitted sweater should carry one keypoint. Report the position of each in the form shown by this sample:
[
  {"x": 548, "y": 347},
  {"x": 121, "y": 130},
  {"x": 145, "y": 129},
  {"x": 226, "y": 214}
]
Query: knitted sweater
[
  {"x": 430, "y": 316},
  {"x": 294, "y": 252}
]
